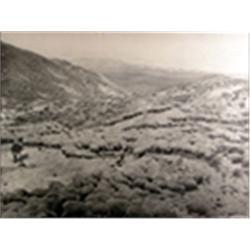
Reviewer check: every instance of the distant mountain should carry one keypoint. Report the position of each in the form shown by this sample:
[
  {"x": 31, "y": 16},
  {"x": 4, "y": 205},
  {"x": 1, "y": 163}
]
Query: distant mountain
[
  {"x": 139, "y": 79},
  {"x": 31, "y": 82}
]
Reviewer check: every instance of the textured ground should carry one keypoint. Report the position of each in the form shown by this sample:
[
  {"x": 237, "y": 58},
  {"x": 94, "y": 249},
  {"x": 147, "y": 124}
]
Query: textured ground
[{"x": 183, "y": 153}]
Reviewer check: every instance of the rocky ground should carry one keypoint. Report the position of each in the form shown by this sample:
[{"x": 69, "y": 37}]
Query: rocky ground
[{"x": 181, "y": 153}]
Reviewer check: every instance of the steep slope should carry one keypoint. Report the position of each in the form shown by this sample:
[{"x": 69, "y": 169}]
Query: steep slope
[{"x": 39, "y": 88}]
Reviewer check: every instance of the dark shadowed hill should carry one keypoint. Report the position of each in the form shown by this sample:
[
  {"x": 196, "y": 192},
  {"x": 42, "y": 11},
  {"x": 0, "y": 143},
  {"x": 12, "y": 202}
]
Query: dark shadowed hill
[{"x": 32, "y": 83}]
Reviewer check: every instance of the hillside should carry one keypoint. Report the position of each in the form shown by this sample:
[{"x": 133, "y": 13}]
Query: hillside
[
  {"x": 38, "y": 88},
  {"x": 180, "y": 152}
]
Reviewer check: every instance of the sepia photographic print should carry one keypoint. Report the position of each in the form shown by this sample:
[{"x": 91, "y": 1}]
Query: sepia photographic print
[{"x": 124, "y": 125}]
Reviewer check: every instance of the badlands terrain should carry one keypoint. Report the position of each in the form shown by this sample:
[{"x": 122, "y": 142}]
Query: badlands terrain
[{"x": 125, "y": 141}]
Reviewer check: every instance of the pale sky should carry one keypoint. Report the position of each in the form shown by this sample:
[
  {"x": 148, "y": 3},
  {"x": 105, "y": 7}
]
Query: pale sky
[{"x": 225, "y": 53}]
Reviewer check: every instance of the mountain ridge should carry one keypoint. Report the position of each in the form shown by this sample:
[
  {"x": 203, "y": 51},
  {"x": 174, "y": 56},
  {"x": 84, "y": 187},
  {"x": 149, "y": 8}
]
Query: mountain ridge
[{"x": 141, "y": 79}]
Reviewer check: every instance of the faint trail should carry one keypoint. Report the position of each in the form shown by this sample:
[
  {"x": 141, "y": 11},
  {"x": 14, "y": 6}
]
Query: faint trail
[
  {"x": 131, "y": 116},
  {"x": 124, "y": 118}
]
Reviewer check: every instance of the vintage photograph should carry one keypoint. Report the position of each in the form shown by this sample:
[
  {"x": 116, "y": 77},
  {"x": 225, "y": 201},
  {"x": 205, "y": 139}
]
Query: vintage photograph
[{"x": 124, "y": 125}]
